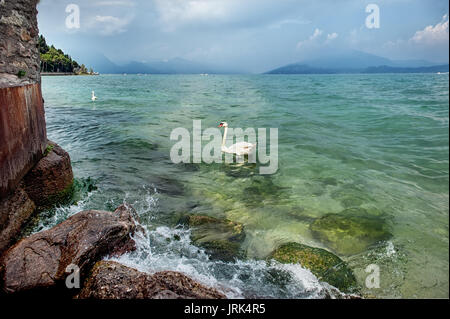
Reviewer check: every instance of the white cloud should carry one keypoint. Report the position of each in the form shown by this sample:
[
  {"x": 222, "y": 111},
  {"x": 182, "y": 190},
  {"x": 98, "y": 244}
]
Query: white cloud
[
  {"x": 284, "y": 22},
  {"x": 332, "y": 36},
  {"x": 317, "y": 33},
  {"x": 311, "y": 40},
  {"x": 431, "y": 35},
  {"x": 115, "y": 3},
  {"x": 430, "y": 43},
  {"x": 317, "y": 39},
  {"x": 110, "y": 25},
  {"x": 173, "y": 13}
]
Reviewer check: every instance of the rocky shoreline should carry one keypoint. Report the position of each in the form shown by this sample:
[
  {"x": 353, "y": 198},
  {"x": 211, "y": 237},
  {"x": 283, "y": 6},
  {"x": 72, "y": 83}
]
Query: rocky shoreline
[
  {"x": 48, "y": 183},
  {"x": 40, "y": 265}
]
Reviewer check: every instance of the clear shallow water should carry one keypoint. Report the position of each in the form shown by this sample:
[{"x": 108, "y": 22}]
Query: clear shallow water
[{"x": 378, "y": 142}]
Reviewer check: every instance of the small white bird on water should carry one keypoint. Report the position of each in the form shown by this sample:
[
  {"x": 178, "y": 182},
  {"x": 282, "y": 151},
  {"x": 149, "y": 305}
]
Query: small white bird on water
[
  {"x": 241, "y": 148},
  {"x": 93, "y": 98}
]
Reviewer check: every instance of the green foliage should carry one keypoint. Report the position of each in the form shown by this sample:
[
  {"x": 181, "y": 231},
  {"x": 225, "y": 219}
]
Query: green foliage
[
  {"x": 55, "y": 60},
  {"x": 21, "y": 73},
  {"x": 48, "y": 149}
]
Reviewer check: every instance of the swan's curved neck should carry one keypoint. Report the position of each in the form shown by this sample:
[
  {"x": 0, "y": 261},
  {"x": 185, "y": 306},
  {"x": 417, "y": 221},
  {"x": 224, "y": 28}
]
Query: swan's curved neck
[{"x": 224, "y": 136}]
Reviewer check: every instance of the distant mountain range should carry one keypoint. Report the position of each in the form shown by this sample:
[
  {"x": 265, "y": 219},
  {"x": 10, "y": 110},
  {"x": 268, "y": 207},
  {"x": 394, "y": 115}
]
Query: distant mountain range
[
  {"x": 173, "y": 66},
  {"x": 358, "y": 62},
  {"x": 349, "y": 61}
]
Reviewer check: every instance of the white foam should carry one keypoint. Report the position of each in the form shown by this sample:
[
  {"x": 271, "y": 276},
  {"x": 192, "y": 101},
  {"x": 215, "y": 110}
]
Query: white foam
[{"x": 167, "y": 248}]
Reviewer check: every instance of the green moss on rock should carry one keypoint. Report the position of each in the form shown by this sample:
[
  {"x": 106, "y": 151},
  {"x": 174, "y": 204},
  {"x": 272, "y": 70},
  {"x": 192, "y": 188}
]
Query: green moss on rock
[
  {"x": 62, "y": 198},
  {"x": 222, "y": 249},
  {"x": 21, "y": 74},
  {"x": 325, "y": 265},
  {"x": 49, "y": 149},
  {"x": 349, "y": 234}
]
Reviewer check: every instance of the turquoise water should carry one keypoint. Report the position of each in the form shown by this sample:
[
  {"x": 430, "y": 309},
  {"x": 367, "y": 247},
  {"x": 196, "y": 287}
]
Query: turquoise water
[{"x": 376, "y": 144}]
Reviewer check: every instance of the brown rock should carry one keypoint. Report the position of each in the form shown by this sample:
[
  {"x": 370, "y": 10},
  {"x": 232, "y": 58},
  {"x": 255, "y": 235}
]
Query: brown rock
[
  {"x": 51, "y": 180},
  {"x": 15, "y": 210},
  {"x": 22, "y": 132},
  {"x": 40, "y": 260},
  {"x": 111, "y": 280}
]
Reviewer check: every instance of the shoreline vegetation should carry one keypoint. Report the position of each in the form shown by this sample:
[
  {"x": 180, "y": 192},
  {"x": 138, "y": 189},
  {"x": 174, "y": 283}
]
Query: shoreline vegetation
[{"x": 55, "y": 62}]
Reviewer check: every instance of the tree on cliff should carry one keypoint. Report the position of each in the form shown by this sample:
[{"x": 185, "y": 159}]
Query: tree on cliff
[{"x": 55, "y": 60}]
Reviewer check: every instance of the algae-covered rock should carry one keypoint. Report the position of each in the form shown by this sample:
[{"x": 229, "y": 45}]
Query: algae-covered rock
[
  {"x": 221, "y": 238},
  {"x": 263, "y": 189},
  {"x": 325, "y": 265},
  {"x": 50, "y": 182},
  {"x": 349, "y": 234}
]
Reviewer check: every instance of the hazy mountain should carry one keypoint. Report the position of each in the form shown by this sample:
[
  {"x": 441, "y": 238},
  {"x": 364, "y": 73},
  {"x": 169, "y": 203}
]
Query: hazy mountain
[
  {"x": 298, "y": 68},
  {"x": 178, "y": 65},
  {"x": 102, "y": 64},
  {"x": 412, "y": 63},
  {"x": 98, "y": 62},
  {"x": 389, "y": 69},
  {"x": 347, "y": 60},
  {"x": 350, "y": 62},
  {"x": 138, "y": 67}
]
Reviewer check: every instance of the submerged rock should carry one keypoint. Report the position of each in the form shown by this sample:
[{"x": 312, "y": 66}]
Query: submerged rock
[
  {"x": 166, "y": 185},
  {"x": 349, "y": 234},
  {"x": 351, "y": 195},
  {"x": 40, "y": 260},
  {"x": 15, "y": 211},
  {"x": 325, "y": 265},
  {"x": 111, "y": 280},
  {"x": 237, "y": 170},
  {"x": 50, "y": 181},
  {"x": 221, "y": 238},
  {"x": 263, "y": 189}
]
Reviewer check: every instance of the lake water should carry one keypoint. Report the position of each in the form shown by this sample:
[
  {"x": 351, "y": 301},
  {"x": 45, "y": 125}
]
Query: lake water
[{"x": 370, "y": 144}]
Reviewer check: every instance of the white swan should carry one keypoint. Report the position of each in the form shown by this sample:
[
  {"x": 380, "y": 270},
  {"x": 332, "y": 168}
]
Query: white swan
[
  {"x": 241, "y": 148},
  {"x": 93, "y": 98}
]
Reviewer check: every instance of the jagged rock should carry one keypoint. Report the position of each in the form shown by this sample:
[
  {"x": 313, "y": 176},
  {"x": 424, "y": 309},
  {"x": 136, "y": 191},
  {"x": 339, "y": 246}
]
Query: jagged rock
[
  {"x": 348, "y": 233},
  {"x": 221, "y": 238},
  {"x": 15, "y": 210},
  {"x": 51, "y": 180},
  {"x": 111, "y": 280},
  {"x": 325, "y": 265},
  {"x": 40, "y": 260}
]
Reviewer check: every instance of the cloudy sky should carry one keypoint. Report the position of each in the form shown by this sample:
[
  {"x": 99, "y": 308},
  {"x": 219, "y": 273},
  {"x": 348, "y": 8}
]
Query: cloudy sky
[{"x": 249, "y": 35}]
